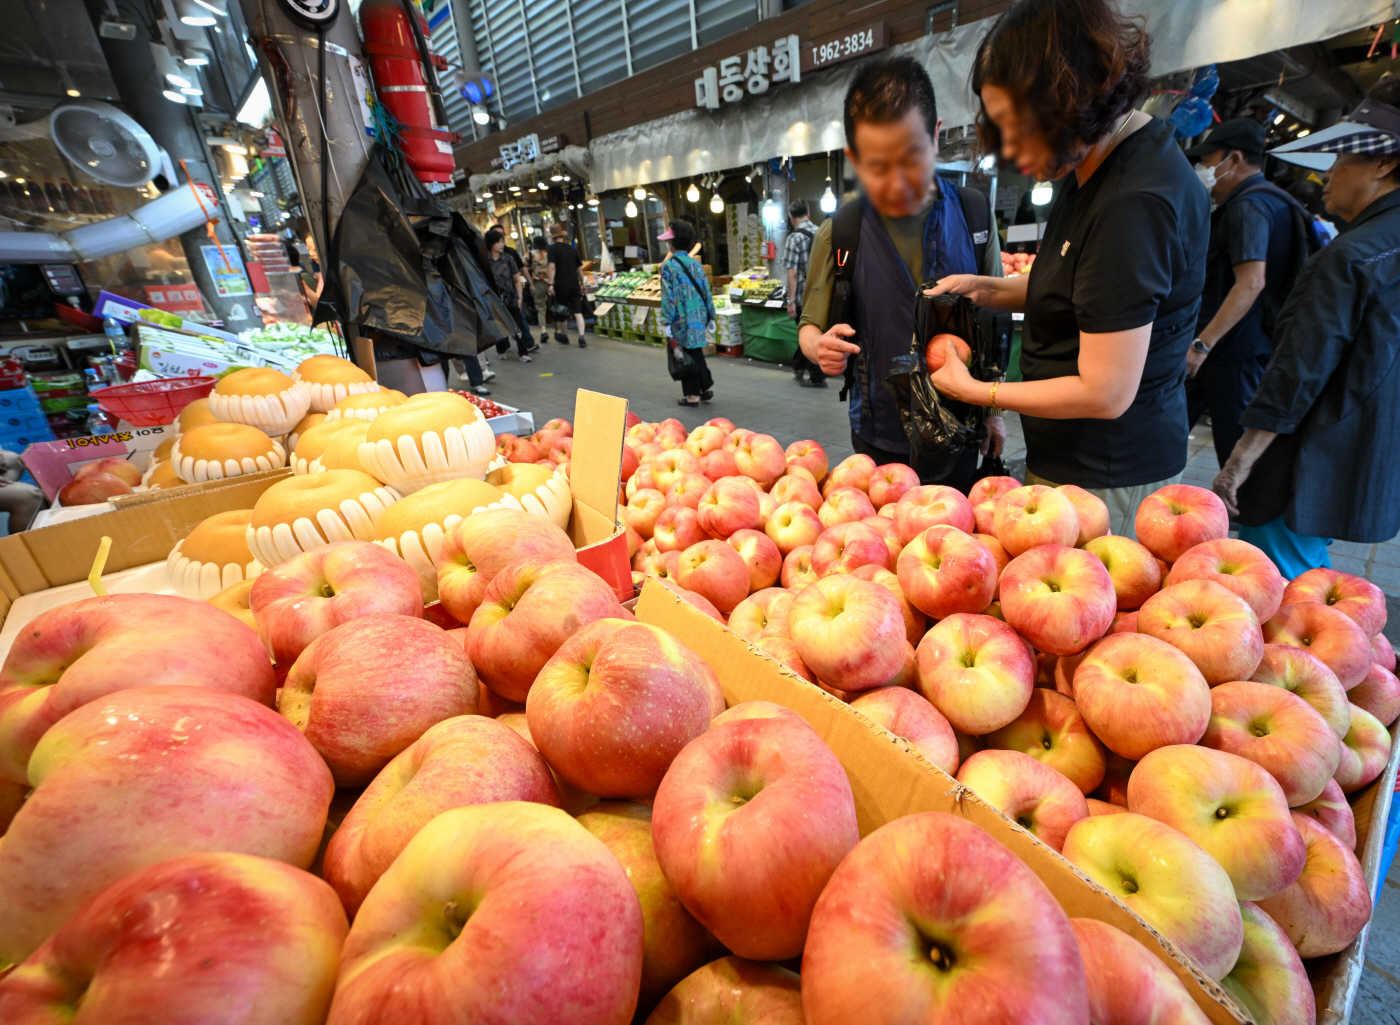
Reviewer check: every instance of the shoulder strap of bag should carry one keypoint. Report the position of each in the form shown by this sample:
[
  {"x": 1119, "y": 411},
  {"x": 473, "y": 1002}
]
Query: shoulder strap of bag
[
  {"x": 845, "y": 240},
  {"x": 977, "y": 211},
  {"x": 702, "y": 293}
]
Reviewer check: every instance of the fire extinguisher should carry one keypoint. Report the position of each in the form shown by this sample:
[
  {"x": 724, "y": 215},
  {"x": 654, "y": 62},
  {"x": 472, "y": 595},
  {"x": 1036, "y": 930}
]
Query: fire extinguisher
[{"x": 401, "y": 84}]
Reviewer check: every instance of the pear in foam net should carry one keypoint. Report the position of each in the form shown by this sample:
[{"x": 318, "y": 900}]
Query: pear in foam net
[
  {"x": 314, "y": 441},
  {"x": 366, "y": 406},
  {"x": 539, "y": 490},
  {"x": 219, "y": 450},
  {"x": 300, "y": 513},
  {"x": 305, "y": 424},
  {"x": 342, "y": 452},
  {"x": 413, "y": 528},
  {"x": 432, "y": 437},
  {"x": 329, "y": 379},
  {"x": 214, "y": 556},
  {"x": 260, "y": 397},
  {"x": 196, "y": 414}
]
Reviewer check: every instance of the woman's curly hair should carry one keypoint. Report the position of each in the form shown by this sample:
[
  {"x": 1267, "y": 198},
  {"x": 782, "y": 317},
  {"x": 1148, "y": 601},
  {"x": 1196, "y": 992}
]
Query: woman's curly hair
[{"x": 1073, "y": 67}]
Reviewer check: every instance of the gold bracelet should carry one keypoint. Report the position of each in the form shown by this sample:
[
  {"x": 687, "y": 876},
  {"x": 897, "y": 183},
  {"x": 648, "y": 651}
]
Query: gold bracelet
[{"x": 992, "y": 400}]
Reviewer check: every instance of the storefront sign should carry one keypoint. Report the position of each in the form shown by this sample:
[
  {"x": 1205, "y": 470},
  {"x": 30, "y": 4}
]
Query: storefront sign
[
  {"x": 845, "y": 46},
  {"x": 750, "y": 74},
  {"x": 527, "y": 150},
  {"x": 274, "y": 147}
]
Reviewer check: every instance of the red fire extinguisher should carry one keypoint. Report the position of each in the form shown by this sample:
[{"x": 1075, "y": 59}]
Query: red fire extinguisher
[{"x": 395, "y": 64}]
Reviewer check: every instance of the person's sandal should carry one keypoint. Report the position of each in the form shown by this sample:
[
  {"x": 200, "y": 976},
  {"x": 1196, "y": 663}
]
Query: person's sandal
[
  {"x": 706, "y": 396},
  {"x": 686, "y": 402}
]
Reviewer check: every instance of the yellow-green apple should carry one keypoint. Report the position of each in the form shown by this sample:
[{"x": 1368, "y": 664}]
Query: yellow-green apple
[
  {"x": 1059, "y": 599},
  {"x": 644, "y": 508},
  {"x": 677, "y": 528},
  {"x": 760, "y": 555},
  {"x": 1093, "y": 514},
  {"x": 1236, "y": 566},
  {"x": 146, "y": 774},
  {"x": 889, "y": 483},
  {"x": 1128, "y": 984},
  {"x": 1097, "y": 807},
  {"x": 797, "y": 571},
  {"x": 756, "y": 710},
  {"x": 461, "y": 761},
  {"x": 1051, "y": 730},
  {"x": 728, "y": 506},
  {"x": 1167, "y": 879},
  {"x": 751, "y": 820},
  {"x": 1331, "y": 636},
  {"x": 907, "y": 715},
  {"x": 617, "y": 703},
  {"x": 762, "y": 614},
  {"x": 976, "y": 671},
  {"x": 1365, "y": 750},
  {"x": 850, "y": 632},
  {"x": 931, "y": 505},
  {"x": 1269, "y": 980},
  {"x": 719, "y": 464},
  {"x": 674, "y": 944},
  {"x": 1378, "y": 693},
  {"x": 794, "y": 487},
  {"x": 950, "y": 926},
  {"x": 640, "y": 433},
  {"x": 1176, "y": 518},
  {"x": 984, "y": 495},
  {"x": 733, "y": 989},
  {"x": 1030, "y": 793},
  {"x": 1035, "y": 515},
  {"x": 914, "y": 622},
  {"x": 181, "y": 940},
  {"x": 847, "y": 546},
  {"x": 852, "y": 472},
  {"x": 1276, "y": 730},
  {"x": 477, "y": 548},
  {"x": 313, "y": 593},
  {"x": 1359, "y": 599},
  {"x": 1117, "y": 771},
  {"x": 1229, "y": 805},
  {"x": 1000, "y": 555},
  {"x": 506, "y": 891},
  {"x": 705, "y": 439},
  {"x": 1333, "y": 811},
  {"x": 87, "y": 649},
  {"x": 1132, "y": 568},
  {"x": 1382, "y": 654},
  {"x": 661, "y": 564},
  {"x": 943, "y": 571},
  {"x": 1138, "y": 694},
  {"x": 670, "y": 468},
  {"x": 783, "y": 650},
  {"x": 843, "y": 505},
  {"x": 1214, "y": 627},
  {"x": 884, "y": 526},
  {"x": 793, "y": 525},
  {"x": 532, "y": 607},
  {"x": 808, "y": 455},
  {"x": 369, "y": 688},
  {"x": 715, "y": 570},
  {"x": 1329, "y": 904},
  {"x": 1295, "y": 670},
  {"x": 688, "y": 490},
  {"x": 759, "y": 457}
]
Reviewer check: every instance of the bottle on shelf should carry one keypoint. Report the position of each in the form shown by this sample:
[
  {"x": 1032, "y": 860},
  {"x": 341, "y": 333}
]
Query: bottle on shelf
[{"x": 54, "y": 198}]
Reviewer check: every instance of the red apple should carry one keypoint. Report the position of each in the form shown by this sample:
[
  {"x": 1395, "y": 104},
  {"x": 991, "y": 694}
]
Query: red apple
[
  {"x": 1132, "y": 568},
  {"x": 843, "y": 505},
  {"x": 1295, "y": 670},
  {"x": 884, "y": 526},
  {"x": 907, "y": 715},
  {"x": 705, "y": 439},
  {"x": 936, "y": 351},
  {"x": 1329, "y": 904},
  {"x": 1124, "y": 623},
  {"x": 1215, "y": 627},
  {"x": 1236, "y": 566},
  {"x": 1176, "y": 518},
  {"x": 644, "y": 508},
  {"x": 1128, "y": 984},
  {"x": 718, "y": 421},
  {"x": 890, "y": 482},
  {"x": 852, "y": 472},
  {"x": 783, "y": 650},
  {"x": 760, "y": 555},
  {"x": 983, "y": 497},
  {"x": 1097, "y": 807},
  {"x": 808, "y": 455},
  {"x": 719, "y": 464},
  {"x": 932, "y": 505},
  {"x": 1379, "y": 694},
  {"x": 1276, "y": 730},
  {"x": 1029, "y": 792},
  {"x": 1333, "y": 811},
  {"x": 1051, "y": 730},
  {"x": 1117, "y": 771},
  {"x": 793, "y": 525},
  {"x": 849, "y": 631},
  {"x": 1059, "y": 599},
  {"x": 976, "y": 671},
  {"x": 944, "y": 571},
  {"x": 1000, "y": 555},
  {"x": 630, "y": 463},
  {"x": 764, "y": 613},
  {"x": 914, "y": 622},
  {"x": 728, "y": 506},
  {"x": 1365, "y": 750},
  {"x": 848, "y": 546},
  {"x": 1331, "y": 636},
  {"x": 673, "y": 466},
  {"x": 757, "y": 710},
  {"x": 796, "y": 488},
  {"x": 759, "y": 457},
  {"x": 1269, "y": 980},
  {"x": 733, "y": 989},
  {"x": 115, "y": 466},
  {"x": 478, "y": 547},
  {"x": 1035, "y": 515},
  {"x": 688, "y": 490},
  {"x": 716, "y": 571},
  {"x": 1138, "y": 694},
  {"x": 1359, "y": 599},
  {"x": 1382, "y": 654},
  {"x": 1093, "y": 514},
  {"x": 797, "y": 571},
  {"x": 92, "y": 489},
  {"x": 676, "y": 529}
]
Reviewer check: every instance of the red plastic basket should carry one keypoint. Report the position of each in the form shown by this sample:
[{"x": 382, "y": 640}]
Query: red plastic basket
[{"x": 150, "y": 403}]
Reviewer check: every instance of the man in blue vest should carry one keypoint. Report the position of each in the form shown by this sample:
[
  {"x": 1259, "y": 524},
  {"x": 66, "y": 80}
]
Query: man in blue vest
[{"x": 908, "y": 227}]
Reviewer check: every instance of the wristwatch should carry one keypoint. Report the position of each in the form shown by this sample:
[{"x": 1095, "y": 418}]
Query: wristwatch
[{"x": 1199, "y": 346}]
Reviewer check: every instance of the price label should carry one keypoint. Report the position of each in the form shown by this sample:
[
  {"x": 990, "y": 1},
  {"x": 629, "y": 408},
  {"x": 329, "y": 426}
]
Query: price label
[
  {"x": 844, "y": 46},
  {"x": 639, "y": 315},
  {"x": 775, "y": 304},
  {"x": 602, "y": 310}
]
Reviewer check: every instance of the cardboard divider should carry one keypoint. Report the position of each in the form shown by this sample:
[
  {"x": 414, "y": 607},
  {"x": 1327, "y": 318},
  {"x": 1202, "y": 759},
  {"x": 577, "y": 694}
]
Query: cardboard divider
[{"x": 889, "y": 779}]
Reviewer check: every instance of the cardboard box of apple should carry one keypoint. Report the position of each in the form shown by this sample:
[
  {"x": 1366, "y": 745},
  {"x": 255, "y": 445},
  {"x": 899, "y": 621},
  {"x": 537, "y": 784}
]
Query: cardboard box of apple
[{"x": 1196, "y": 766}]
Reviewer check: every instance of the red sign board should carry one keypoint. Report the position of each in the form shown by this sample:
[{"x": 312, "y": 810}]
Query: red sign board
[{"x": 175, "y": 298}]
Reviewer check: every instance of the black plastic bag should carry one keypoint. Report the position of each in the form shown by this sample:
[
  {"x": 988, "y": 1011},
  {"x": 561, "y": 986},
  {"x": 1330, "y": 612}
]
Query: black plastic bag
[{"x": 678, "y": 361}]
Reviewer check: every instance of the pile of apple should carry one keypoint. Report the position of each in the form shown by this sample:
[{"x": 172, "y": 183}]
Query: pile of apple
[
  {"x": 551, "y": 445},
  {"x": 1172, "y": 715},
  {"x": 100, "y": 480}
]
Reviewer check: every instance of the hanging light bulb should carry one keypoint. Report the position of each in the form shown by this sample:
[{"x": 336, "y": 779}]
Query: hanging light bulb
[
  {"x": 481, "y": 116},
  {"x": 828, "y": 200},
  {"x": 556, "y": 177},
  {"x": 486, "y": 194},
  {"x": 1042, "y": 193},
  {"x": 630, "y": 209},
  {"x": 716, "y": 204},
  {"x": 592, "y": 200},
  {"x": 639, "y": 193},
  {"x": 692, "y": 193}
]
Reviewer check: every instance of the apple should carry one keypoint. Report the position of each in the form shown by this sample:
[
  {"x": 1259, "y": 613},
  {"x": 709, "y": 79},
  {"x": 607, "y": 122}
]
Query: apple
[
  {"x": 1167, "y": 880},
  {"x": 848, "y": 546},
  {"x": 673, "y": 466},
  {"x": 783, "y": 650},
  {"x": 643, "y": 509},
  {"x": 92, "y": 489},
  {"x": 735, "y": 438},
  {"x": 185, "y": 936},
  {"x": 1269, "y": 980},
  {"x": 852, "y": 472},
  {"x": 890, "y": 482},
  {"x": 1333, "y": 811},
  {"x": 884, "y": 526},
  {"x": 1117, "y": 771},
  {"x": 1295, "y": 670},
  {"x": 88, "y": 649},
  {"x": 796, "y": 488},
  {"x": 1051, "y": 730},
  {"x": 1331, "y": 636},
  {"x": 1176, "y": 518},
  {"x": 114, "y": 466},
  {"x": 849, "y": 631},
  {"x": 1035, "y": 515},
  {"x": 640, "y": 432},
  {"x": 930, "y": 919},
  {"x": 759, "y": 457},
  {"x": 907, "y": 715},
  {"x": 1059, "y": 599},
  {"x": 843, "y": 505},
  {"x": 750, "y": 821},
  {"x": 1365, "y": 750},
  {"x": 630, "y": 463},
  {"x": 1278, "y": 731},
  {"x": 983, "y": 498},
  {"x": 728, "y": 506},
  {"x": 757, "y": 710},
  {"x": 1329, "y": 904},
  {"x": 146, "y": 774},
  {"x": 509, "y": 890},
  {"x": 704, "y": 439},
  {"x": 793, "y": 525},
  {"x": 677, "y": 528},
  {"x": 808, "y": 455},
  {"x": 617, "y": 703},
  {"x": 1093, "y": 513},
  {"x": 1138, "y": 694},
  {"x": 931, "y": 505},
  {"x": 1215, "y": 628},
  {"x": 764, "y": 613},
  {"x": 1132, "y": 568},
  {"x": 733, "y": 989},
  {"x": 1029, "y": 792},
  {"x": 1128, "y": 984},
  {"x": 936, "y": 351},
  {"x": 1379, "y": 694},
  {"x": 716, "y": 571},
  {"x": 659, "y": 564},
  {"x": 688, "y": 490},
  {"x": 1097, "y": 807},
  {"x": 760, "y": 555},
  {"x": 975, "y": 671},
  {"x": 719, "y": 464},
  {"x": 1237, "y": 566},
  {"x": 1356, "y": 597},
  {"x": 915, "y": 624},
  {"x": 797, "y": 571},
  {"x": 944, "y": 571},
  {"x": 571, "y": 798},
  {"x": 520, "y": 450},
  {"x": 1382, "y": 654},
  {"x": 1229, "y": 805},
  {"x": 479, "y": 546},
  {"x": 1124, "y": 623}
]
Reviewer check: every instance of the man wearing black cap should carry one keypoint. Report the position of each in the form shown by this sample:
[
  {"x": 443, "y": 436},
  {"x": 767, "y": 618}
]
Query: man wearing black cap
[{"x": 1257, "y": 245}]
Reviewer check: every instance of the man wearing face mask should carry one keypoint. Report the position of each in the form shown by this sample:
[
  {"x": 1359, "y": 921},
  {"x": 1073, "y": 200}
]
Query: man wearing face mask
[{"x": 1257, "y": 245}]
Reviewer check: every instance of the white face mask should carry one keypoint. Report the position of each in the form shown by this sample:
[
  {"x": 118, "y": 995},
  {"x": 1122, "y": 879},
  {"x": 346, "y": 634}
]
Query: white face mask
[{"x": 1206, "y": 175}]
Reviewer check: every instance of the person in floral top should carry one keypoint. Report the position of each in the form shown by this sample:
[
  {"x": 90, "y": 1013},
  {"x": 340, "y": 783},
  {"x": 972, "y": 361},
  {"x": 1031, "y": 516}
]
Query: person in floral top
[{"x": 687, "y": 310}]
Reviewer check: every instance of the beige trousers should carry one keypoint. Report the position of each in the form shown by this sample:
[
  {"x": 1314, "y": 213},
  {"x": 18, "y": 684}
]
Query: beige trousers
[{"x": 1122, "y": 502}]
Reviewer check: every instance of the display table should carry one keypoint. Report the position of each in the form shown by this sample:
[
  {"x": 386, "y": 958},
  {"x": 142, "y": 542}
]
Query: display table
[{"x": 769, "y": 334}]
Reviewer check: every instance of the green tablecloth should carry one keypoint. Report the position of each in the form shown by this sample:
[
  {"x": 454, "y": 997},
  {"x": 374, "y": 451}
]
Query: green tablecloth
[{"x": 769, "y": 334}]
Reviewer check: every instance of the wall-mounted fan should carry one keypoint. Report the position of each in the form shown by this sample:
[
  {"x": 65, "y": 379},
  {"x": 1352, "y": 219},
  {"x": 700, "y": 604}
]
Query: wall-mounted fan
[{"x": 105, "y": 143}]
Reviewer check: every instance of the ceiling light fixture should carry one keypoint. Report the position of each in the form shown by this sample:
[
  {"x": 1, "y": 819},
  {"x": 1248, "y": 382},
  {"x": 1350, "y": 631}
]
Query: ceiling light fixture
[
  {"x": 692, "y": 193},
  {"x": 716, "y": 204},
  {"x": 639, "y": 193},
  {"x": 630, "y": 209},
  {"x": 481, "y": 116}
]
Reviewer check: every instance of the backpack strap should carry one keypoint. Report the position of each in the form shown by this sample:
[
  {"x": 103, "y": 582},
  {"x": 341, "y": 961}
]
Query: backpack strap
[
  {"x": 977, "y": 211},
  {"x": 845, "y": 240}
]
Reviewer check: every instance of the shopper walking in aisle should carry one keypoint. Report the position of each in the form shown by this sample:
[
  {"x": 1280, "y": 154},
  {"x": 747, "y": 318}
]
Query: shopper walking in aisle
[
  {"x": 1260, "y": 237},
  {"x": 1111, "y": 302},
  {"x": 908, "y": 227},
  {"x": 539, "y": 274},
  {"x": 687, "y": 311},
  {"x": 509, "y": 277},
  {"x": 1320, "y": 455},
  {"x": 565, "y": 284},
  {"x": 797, "y": 252}
]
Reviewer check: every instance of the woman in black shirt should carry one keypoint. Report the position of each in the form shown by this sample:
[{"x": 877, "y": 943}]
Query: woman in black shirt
[{"x": 1112, "y": 297}]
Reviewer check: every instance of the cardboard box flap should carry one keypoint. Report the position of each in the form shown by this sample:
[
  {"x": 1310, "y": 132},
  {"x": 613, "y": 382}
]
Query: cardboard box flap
[
  {"x": 269, "y": 477},
  {"x": 600, "y": 423},
  {"x": 889, "y": 779}
]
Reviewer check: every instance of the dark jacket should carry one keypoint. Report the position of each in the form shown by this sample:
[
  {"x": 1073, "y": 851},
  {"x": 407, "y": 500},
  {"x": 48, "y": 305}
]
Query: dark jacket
[{"x": 1334, "y": 378}]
